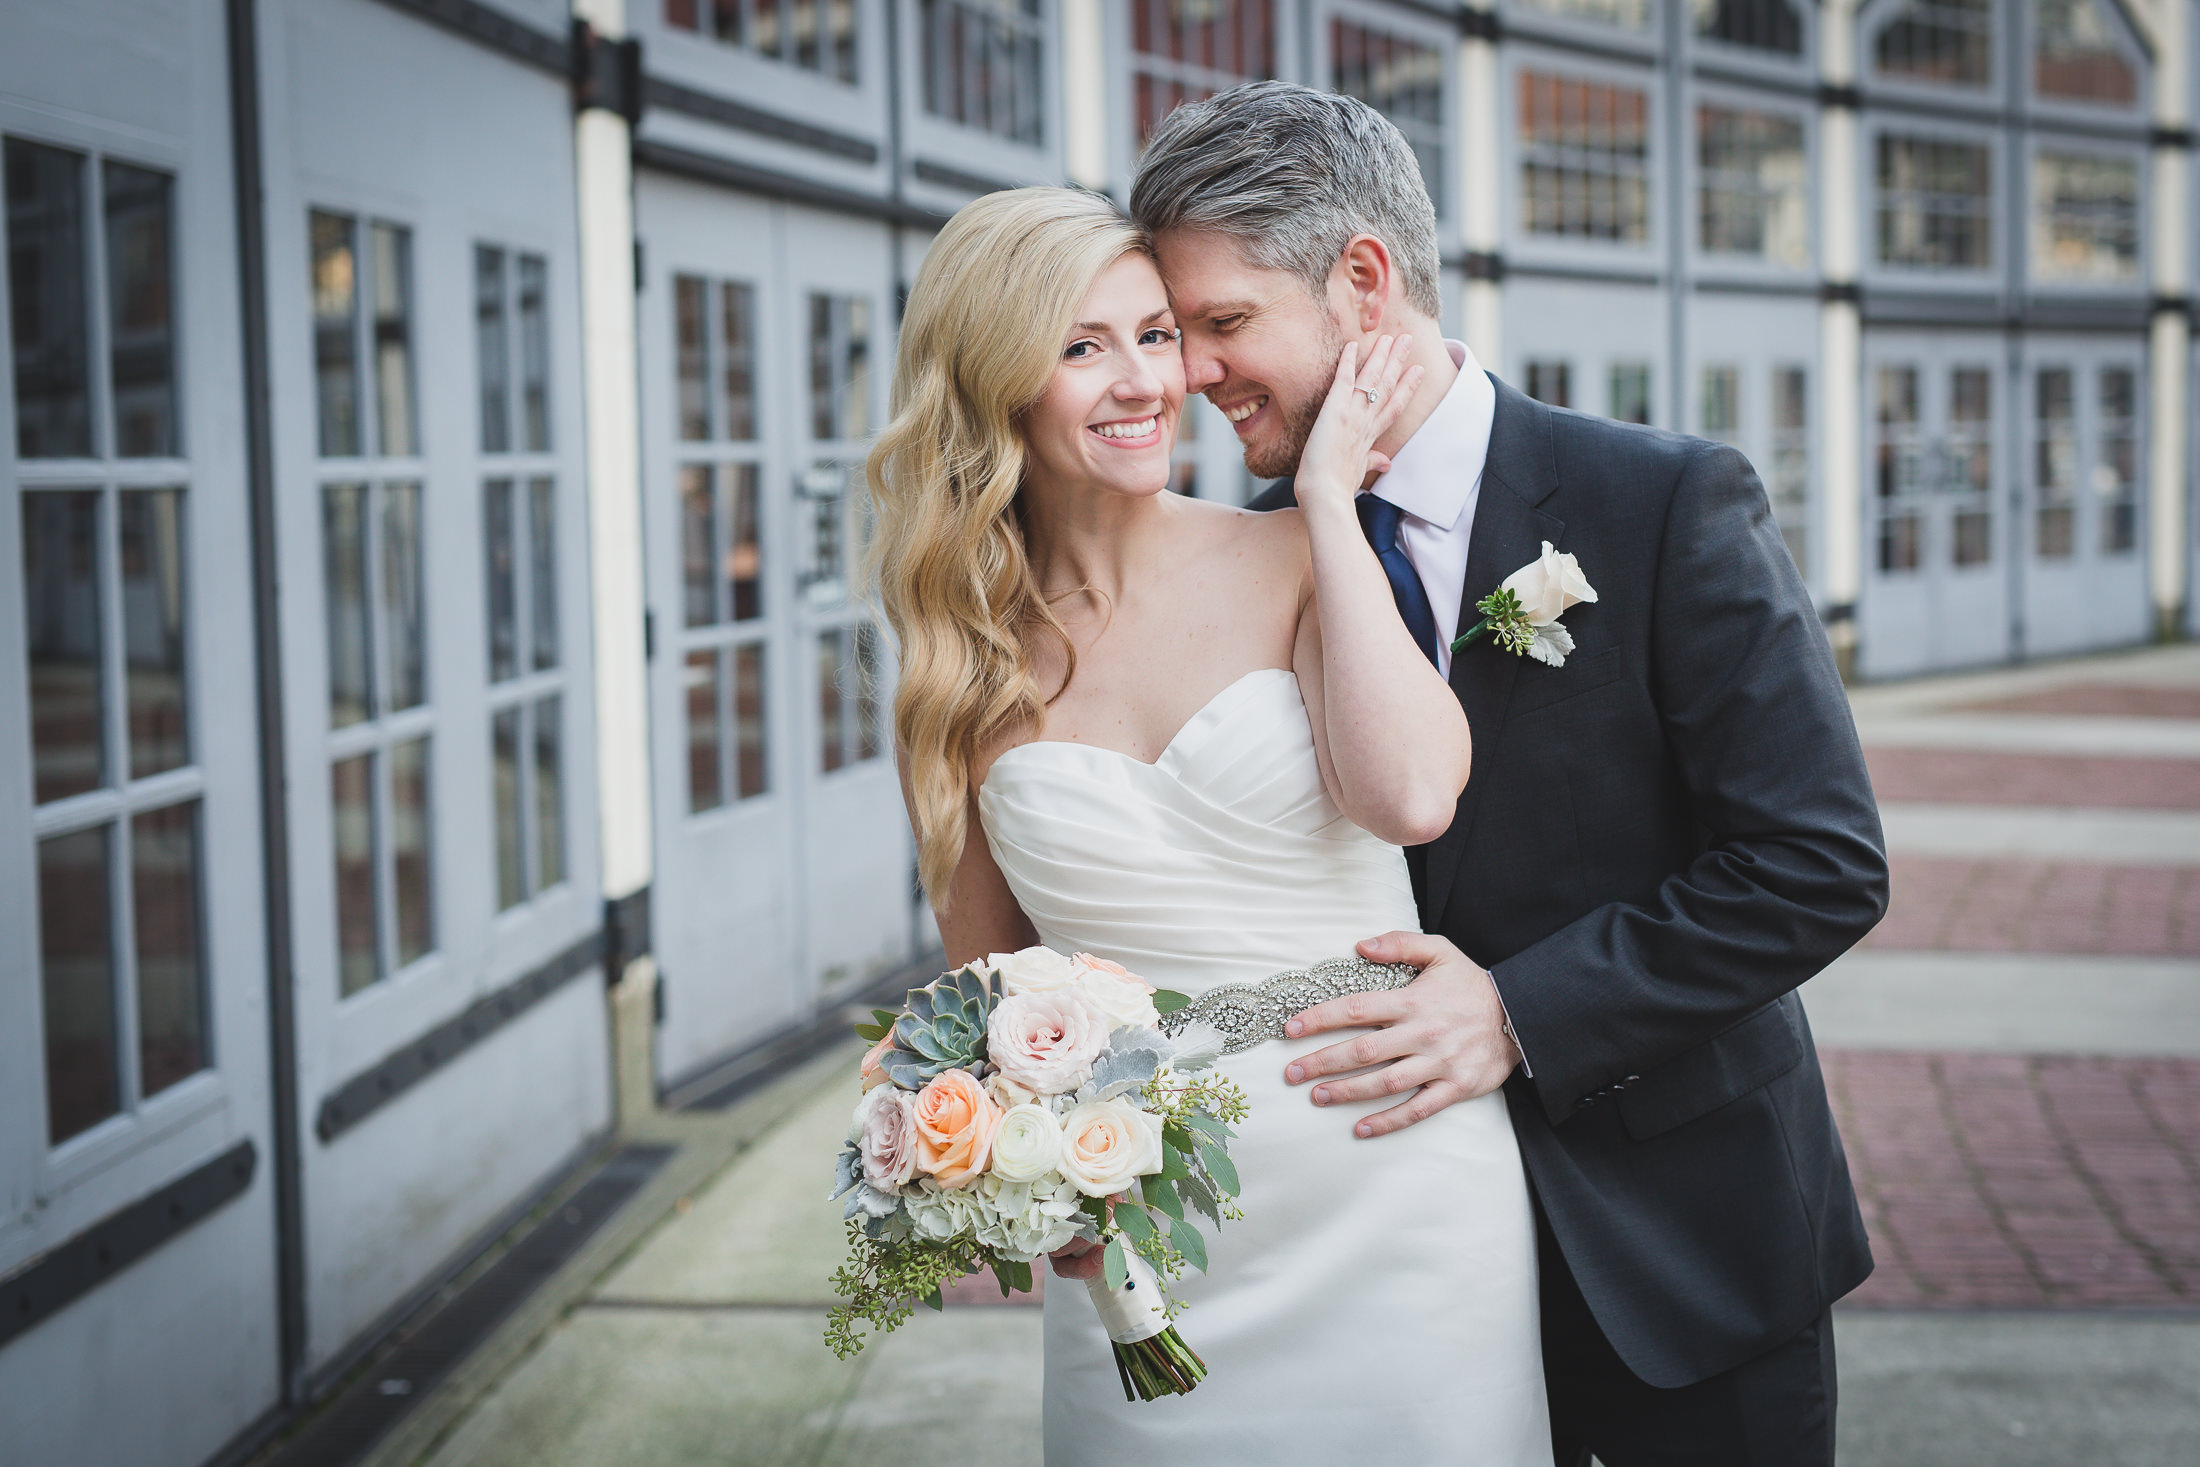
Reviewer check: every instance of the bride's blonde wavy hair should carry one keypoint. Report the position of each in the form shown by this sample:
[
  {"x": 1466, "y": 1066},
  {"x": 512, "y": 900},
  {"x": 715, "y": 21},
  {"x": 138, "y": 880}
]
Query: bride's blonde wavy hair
[{"x": 980, "y": 339}]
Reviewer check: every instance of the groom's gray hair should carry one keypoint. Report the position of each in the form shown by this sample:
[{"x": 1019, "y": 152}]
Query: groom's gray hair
[{"x": 1291, "y": 175}]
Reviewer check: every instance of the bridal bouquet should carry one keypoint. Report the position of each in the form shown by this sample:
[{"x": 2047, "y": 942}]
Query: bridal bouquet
[{"x": 1015, "y": 1105}]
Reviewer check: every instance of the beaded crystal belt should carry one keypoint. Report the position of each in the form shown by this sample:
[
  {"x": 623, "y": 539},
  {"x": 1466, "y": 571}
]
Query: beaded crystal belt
[{"x": 1248, "y": 1013}]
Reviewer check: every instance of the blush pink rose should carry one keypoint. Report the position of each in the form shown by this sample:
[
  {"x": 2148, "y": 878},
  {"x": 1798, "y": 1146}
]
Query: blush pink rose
[
  {"x": 954, "y": 1120},
  {"x": 888, "y": 1144},
  {"x": 1046, "y": 1041},
  {"x": 874, "y": 1068}
]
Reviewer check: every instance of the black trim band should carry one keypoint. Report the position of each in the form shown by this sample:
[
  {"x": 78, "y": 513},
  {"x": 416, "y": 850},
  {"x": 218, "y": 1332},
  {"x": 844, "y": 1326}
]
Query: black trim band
[
  {"x": 366, "y": 1093},
  {"x": 1838, "y": 612},
  {"x": 2169, "y": 137},
  {"x": 1841, "y": 293},
  {"x": 2170, "y": 305},
  {"x": 687, "y": 163},
  {"x": 606, "y": 73},
  {"x": 626, "y": 931},
  {"x": 59, "y": 1278},
  {"x": 1844, "y": 95},
  {"x": 1481, "y": 25},
  {"x": 942, "y": 176},
  {"x": 485, "y": 25},
  {"x": 710, "y": 107},
  {"x": 1484, "y": 265}
]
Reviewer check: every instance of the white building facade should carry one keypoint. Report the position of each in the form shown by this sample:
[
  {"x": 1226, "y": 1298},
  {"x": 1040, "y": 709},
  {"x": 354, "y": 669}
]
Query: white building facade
[{"x": 430, "y": 445}]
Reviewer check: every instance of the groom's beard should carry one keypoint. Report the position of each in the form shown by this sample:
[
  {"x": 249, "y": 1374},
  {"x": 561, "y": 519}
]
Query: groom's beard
[{"x": 1279, "y": 455}]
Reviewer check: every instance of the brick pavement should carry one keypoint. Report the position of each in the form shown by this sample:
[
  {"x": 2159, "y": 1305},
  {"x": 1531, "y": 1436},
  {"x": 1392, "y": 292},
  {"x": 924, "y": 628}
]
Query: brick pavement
[
  {"x": 2112, "y": 700},
  {"x": 1964, "y": 776},
  {"x": 2028, "y": 906}
]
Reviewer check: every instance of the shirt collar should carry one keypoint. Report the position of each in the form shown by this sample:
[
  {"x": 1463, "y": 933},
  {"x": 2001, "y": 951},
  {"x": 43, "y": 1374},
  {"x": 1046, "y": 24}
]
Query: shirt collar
[{"x": 1433, "y": 473}]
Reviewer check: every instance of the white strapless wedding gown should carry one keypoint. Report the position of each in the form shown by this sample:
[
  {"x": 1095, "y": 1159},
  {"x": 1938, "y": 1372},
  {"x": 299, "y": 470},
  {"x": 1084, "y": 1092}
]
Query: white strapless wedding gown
[{"x": 1378, "y": 1301}]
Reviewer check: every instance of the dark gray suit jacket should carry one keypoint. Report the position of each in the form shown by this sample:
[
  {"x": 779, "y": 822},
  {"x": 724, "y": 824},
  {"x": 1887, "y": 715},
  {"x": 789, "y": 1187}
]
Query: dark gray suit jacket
[{"x": 1660, "y": 841}]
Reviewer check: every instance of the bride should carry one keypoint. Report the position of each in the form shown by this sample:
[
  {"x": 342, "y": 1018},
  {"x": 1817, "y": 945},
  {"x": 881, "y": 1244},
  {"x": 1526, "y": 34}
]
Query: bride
[{"x": 1193, "y": 739}]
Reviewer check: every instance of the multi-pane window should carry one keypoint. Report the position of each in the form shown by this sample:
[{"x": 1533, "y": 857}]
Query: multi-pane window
[
  {"x": 1968, "y": 470},
  {"x": 1584, "y": 158},
  {"x": 723, "y": 612},
  {"x": 1722, "y": 403},
  {"x": 1186, "y": 50},
  {"x": 840, "y": 420},
  {"x": 814, "y": 35},
  {"x": 2085, "y": 217},
  {"x": 984, "y": 65},
  {"x": 1631, "y": 15},
  {"x": 1401, "y": 78},
  {"x": 1944, "y": 42},
  {"x": 2054, "y": 463},
  {"x": 2116, "y": 459},
  {"x": 1627, "y": 395},
  {"x": 1753, "y": 187},
  {"x": 1901, "y": 471},
  {"x": 1551, "y": 380},
  {"x": 106, "y": 555},
  {"x": 1788, "y": 483},
  {"x": 1935, "y": 199},
  {"x": 1761, "y": 25},
  {"x": 519, "y": 525},
  {"x": 2075, "y": 55},
  {"x": 847, "y": 692},
  {"x": 1913, "y": 471},
  {"x": 374, "y": 595}
]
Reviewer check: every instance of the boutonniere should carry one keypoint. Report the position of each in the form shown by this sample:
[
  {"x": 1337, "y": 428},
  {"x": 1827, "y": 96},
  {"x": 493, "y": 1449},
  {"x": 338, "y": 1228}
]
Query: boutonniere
[{"x": 1522, "y": 614}]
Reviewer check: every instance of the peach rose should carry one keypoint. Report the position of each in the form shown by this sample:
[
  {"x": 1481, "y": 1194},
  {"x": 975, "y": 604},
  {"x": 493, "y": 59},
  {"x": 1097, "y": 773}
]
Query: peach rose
[
  {"x": 874, "y": 1068},
  {"x": 955, "y": 1122},
  {"x": 1107, "y": 1144}
]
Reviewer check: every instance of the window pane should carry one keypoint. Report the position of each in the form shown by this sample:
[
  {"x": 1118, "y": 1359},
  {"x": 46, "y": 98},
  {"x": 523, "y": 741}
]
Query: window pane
[
  {"x": 1584, "y": 158},
  {"x": 171, "y": 993},
  {"x": 1763, "y": 25},
  {"x": 706, "y": 783},
  {"x": 1934, "y": 199},
  {"x": 504, "y": 756},
  {"x": 831, "y": 700},
  {"x": 141, "y": 311},
  {"x": 498, "y": 537},
  {"x": 542, "y": 580},
  {"x": 840, "y": 367},
  {"x": 1402, "y": 79},
  {"x": 751, "y": 772},
  {"x": 1790, "y": 484},
  {"x": 152, "y": 628},
  {"x": 47, "y": 308},
  {"x": 1628, "y": 400},
  {"x": 489, "y": 350},
  {"x": 698, "y": 544},
  {"x": 2116, "y": 473},
  {"x": 737, "y": 353},
  {"x": 402, "y": 611},
  {"x": 2085, "y": 217},
  {"x": 866, "y": 691},
  {"x": 352, "y": 787},
  {"x": 549, "y": 793},
  {"x": 1722, "y": 403},
  {"x": 1551, "y": 382},
  {"x": 1181, "y": 53},
  {"x": 393, "y": 384},
  {"x": 1971, "y": 453},
  {"x": 76, "y": 961},
  {"x": 855, "y": 377},
  {"x": 1901, "y": 470},
  {"x": 1940, "y": 41},
  {"x": 2075, "y": 55},
  {"x": 409, "y": 850},
  {"x": 335, "y": 328},
  {"x": 61, "y": 616},
  {"x": 2055, "y": 462},
  {"x": 980, "y": 64},
  {"x": 534, "y": 352},
  {"x": 1753, "y": 196},
  {"x": 344, "y": 531},
  {"x": 744, "y": 556},
  {"x": 689, "y": 296}
]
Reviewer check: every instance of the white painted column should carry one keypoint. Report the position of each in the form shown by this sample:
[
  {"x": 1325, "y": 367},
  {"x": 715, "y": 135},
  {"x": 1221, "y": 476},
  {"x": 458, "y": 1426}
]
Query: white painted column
[
  {"x": 1481, "y": 162},
  {"x": 611, "y": 413},
  {"x": 1840, "y": 336},
  {"x": 1085, "y": 94},
  {"x": 2169, "y": 536}
]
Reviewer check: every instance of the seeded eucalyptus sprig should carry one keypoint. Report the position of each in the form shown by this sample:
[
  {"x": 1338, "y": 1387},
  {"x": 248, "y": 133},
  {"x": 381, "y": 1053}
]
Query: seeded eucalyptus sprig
[{"x": 1504, "y": 619}]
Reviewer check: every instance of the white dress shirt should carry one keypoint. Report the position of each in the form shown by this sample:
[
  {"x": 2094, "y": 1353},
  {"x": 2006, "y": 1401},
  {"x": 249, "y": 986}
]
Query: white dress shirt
[{"x": 1436, "y": 478}]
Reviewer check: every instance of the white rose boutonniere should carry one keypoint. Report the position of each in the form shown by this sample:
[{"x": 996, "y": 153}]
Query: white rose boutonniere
[{"x": 1522, "y": 614}]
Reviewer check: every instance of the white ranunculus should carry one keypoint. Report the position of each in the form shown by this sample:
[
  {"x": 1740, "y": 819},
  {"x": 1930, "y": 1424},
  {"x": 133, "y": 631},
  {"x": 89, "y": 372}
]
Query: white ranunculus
[
  {"x": 1033, "y": 970},
  {"x": 1025, "y": 1220},
  {"x": 1107, "y": 1144},
  {"x": 1549, "y": 585},
  {"x": 1027, "y": 1145},
  {"x": 1115, "y": 991},
  {"x": 1046, "y": 1041},
  {"x": 939, "y": 1214}
]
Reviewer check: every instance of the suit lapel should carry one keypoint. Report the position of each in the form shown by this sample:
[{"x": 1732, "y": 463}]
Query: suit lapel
[{"x": 1508, "y": 532}]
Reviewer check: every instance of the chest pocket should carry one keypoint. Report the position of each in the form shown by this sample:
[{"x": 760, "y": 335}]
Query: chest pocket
[{"x": 1538, "y": 687}]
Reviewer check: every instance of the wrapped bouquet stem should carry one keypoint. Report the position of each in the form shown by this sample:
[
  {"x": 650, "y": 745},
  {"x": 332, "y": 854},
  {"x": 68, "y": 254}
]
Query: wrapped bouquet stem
[{"x": 1014, "y": 1106}]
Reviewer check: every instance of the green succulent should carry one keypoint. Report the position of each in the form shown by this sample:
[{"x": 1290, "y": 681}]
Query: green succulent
[{"x": 944, "y": 1028}]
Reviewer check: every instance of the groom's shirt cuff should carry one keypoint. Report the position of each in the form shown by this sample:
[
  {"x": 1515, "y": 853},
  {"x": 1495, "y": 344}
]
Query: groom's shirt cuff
[{"x": 1505, "y": 1017}]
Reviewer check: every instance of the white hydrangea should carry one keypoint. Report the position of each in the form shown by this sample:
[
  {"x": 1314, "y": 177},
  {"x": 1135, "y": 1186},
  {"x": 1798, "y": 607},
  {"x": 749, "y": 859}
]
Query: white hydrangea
[
  {"x": 939, "y": 1213},
  {"x": 1027, "y": 1219}
]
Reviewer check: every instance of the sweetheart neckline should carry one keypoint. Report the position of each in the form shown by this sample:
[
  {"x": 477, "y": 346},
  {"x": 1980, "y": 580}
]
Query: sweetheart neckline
[{"x": 1167, "y": 749}]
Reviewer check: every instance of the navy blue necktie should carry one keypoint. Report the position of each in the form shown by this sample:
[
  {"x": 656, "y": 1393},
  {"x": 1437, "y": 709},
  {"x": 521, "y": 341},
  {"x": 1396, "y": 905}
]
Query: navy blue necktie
[{"x": 1379, "y": 519}]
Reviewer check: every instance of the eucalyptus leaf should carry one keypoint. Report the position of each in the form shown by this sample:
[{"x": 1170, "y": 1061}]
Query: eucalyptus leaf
[
  {"x": 1134, "y": 1222},
  {"x": 1174, "y": 1163},
  {"x": 1112, "y": 1266},
  {"x": 1195, "y": 1191},
  {"x": 934, "y": 1301},
  {"x": 1220, "y": 1167},
  {"x": 1186, "y": 1240},
  {"x": 1019, "y": 1274},
  {"x": 1209, "y": 1125},
  {"x": 1179, "y": 1137},
  {"x": 1002, "y": 1276},
  {"x": 1168, "y": 1000},
  {"x": 1161, "y": 1196}
]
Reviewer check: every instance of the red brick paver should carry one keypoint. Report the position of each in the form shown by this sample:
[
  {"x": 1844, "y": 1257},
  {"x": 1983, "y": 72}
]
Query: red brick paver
[
  {"x": 2022, "y": 906},
  {"x": 2024, "y": 1181},
  {"x": 1968, "y": 777},
  {"x": 2113, "y": 700}
]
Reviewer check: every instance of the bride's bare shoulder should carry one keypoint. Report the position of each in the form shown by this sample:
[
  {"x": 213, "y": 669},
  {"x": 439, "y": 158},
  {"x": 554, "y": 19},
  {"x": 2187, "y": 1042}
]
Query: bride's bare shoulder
[{"x": 1280, "y": 533}]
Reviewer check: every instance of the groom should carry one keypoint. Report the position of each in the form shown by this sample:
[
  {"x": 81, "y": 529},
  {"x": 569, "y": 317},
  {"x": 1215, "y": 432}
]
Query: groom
[{"x": 1661, "y": 840}]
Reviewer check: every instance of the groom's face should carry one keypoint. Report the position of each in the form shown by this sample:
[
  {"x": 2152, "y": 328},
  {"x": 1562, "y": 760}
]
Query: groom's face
[{"x": 1256, "y": 343}]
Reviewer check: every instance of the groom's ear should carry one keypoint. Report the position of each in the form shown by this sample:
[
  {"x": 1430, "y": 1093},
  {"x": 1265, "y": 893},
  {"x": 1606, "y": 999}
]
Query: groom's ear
[{"x": 1367, "y": 281}]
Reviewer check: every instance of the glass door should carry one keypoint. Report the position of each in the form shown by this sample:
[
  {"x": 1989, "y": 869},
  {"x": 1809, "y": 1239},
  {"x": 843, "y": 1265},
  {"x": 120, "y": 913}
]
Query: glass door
[{"x": 2084, "y": 573}]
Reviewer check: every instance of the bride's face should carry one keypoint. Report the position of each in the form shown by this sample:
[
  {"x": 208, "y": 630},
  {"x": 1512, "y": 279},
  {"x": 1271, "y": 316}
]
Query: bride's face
[{"x": 1108, "y": 419}]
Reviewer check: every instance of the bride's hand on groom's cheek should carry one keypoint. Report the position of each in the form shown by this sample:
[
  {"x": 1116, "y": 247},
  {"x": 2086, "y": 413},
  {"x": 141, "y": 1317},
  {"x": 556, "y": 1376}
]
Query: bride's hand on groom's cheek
[{"x": 1439, "y": 1040}]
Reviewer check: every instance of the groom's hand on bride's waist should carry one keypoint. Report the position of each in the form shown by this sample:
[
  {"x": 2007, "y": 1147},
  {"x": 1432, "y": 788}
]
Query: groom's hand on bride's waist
[{"x": 1439, "y": 1040}]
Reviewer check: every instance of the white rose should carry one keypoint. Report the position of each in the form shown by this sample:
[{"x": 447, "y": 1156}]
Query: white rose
[
  {"x": 1116, "y": 991},
  {"x": 1047, "y": 1041},
  {"x": 1033, "y": 970},
  {"x": 1027, "y": 1219},
  {"x": 1107, "y": 1143},
  {"x": 1027, "y": 1145},
  {"x": 1549, "y": 586}
]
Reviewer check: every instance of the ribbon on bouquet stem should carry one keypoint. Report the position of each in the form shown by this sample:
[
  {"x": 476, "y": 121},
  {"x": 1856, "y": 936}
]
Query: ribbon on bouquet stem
[{"x": 1133, "y": 1312}]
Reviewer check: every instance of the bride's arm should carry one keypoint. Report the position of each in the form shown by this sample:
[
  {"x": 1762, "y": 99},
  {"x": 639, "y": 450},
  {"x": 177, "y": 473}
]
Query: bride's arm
[
  {"x": 1391, "y": 737},
  {"x": 982, "y": 914}
]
